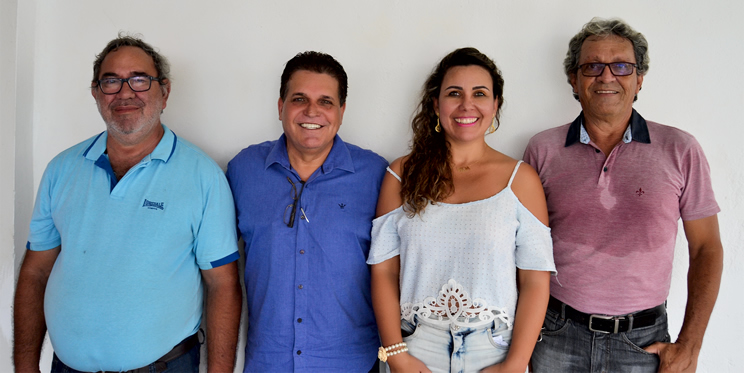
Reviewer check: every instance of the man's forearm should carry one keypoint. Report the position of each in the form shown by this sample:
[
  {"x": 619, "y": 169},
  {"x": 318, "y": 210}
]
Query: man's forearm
[
  {"x": 703, "y": 282},
  {"x": 224, "y": 304},
  {"x": 29, "y": 323}
]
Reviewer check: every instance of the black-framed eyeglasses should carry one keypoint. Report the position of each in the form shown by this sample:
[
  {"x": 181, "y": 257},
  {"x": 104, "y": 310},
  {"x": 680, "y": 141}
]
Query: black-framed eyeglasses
[
  {"x": 289, "y": 219},
  {"x": 112, "y": 86},
  {"x": 617, "y": 68}
]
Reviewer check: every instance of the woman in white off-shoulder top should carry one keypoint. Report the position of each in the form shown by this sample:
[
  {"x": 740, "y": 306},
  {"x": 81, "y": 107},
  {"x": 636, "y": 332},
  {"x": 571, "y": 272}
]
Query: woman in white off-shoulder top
[{"x": 460, "y": 228}]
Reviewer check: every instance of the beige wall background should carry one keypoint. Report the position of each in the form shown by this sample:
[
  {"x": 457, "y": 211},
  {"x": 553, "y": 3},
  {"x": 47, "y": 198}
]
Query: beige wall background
[{"x": 227, "y": 57}]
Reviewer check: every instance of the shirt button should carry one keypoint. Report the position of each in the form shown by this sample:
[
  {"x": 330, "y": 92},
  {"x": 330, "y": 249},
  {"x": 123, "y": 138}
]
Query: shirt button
[
  {"x": 299, "y": 352},
  {"x": 302, "y": 251},
  {"x": 299, "y": 320},
  {"x": 605, "y": 169},
  {"x": 300, "y": 286},
  {"x": 596, "y": 150}
]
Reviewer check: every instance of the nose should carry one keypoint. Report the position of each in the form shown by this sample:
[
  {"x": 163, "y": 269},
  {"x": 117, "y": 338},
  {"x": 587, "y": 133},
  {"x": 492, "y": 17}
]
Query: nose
[
  {"x": 607, "y": 75},
  {"x": 467, "y": 102},
  {"x": 311, "y": 109},
  {"x": 125, "y": 91}
]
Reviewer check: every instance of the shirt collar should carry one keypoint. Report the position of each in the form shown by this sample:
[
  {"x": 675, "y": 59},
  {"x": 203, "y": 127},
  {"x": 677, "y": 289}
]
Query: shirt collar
[
  {"x": 163, "y": 151},
  {"x": 637, "y": 131},
  {"x": 339, "y": 156}
]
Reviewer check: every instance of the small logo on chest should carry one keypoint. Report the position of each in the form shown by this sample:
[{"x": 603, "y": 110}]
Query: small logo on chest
[
  {"x": 640, "y": 192},
  {"x": 153, "y": 205},
  {"x": 342, "y": 205}
]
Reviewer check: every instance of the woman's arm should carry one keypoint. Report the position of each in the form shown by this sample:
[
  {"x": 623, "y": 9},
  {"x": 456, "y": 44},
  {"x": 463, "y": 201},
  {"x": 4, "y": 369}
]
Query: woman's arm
[
  {"x": 386, "y": 283},
  {"x": 528, "y": 189},
  {"x": 534, "y": 286},
  {"x": 534, "y": 289}
]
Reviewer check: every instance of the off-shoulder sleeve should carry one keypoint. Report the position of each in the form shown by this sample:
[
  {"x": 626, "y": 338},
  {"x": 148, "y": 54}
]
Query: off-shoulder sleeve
[
  {"x": 534, "y": 244},
  {"x": 385, "y": 238}
]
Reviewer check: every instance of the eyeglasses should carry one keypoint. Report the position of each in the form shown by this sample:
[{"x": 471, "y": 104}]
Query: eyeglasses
[
  {"x": 112, "y": 86},
  {"x": 292, "y": 208},
  {"x": 617, "y": 68}
]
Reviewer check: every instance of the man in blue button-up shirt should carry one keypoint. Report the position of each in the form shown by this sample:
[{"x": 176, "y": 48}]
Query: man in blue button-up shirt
[{"x": 305, "y": 205}]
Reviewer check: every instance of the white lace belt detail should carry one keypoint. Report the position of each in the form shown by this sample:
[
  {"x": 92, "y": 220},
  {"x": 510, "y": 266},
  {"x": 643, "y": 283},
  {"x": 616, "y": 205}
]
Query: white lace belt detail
[{"x": 454, "y": 307}]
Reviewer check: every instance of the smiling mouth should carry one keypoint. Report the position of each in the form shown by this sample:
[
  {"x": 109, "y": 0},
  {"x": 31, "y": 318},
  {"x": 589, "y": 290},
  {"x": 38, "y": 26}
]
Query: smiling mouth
[
  {"x": 310, "y": 126},
  {"x": 466, "y": 120},
  {"x": 605, "y": 92}
]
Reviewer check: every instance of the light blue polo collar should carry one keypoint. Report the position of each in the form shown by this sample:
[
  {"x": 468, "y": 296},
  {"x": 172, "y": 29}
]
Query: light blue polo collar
[{"x": 163, "y": 151}]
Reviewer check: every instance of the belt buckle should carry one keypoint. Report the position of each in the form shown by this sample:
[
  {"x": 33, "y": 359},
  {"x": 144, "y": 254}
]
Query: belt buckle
[{"x": 603, "y": 317}]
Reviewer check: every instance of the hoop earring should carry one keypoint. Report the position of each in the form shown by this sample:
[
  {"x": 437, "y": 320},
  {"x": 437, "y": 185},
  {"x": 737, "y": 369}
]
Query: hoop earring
[
  {"x": 438, "y": 128},
  {"x": 492, "y": 129}
]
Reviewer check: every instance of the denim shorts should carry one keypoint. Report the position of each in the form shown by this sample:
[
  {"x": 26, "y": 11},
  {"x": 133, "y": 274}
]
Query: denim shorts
[
  {"x": 453, "y": 349},
  {"x": 568, "y": 347}
]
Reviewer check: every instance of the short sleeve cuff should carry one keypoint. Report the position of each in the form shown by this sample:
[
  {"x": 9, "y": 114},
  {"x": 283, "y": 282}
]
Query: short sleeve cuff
[
  {"x": 220, "y": 262},
  {"x": 385, "y": 239}
]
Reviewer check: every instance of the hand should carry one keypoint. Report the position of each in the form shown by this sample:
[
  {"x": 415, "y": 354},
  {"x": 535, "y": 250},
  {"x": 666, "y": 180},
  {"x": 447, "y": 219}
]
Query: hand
[
  {"x": 502, "y": 368},
  {"x": 674, "y": 357},
  {"x": 406, "y": 363}
]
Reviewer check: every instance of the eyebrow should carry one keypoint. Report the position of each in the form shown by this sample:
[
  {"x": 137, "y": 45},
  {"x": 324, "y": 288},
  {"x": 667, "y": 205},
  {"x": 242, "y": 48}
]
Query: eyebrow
[
  {"x": 474, "y": 88},
  {"x": 323, "y": 97},
  {"x": 133, "y": 73}
]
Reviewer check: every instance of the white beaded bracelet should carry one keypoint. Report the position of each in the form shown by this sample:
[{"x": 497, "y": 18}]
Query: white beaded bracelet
[{"x": 384, "y": 352}]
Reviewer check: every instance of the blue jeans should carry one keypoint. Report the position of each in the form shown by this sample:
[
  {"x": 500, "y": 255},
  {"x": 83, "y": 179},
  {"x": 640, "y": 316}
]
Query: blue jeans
[
  {"x": 449, "y": 349},
  {"x": 568, "y": 347},
  {"x": 187, "y": 363}
]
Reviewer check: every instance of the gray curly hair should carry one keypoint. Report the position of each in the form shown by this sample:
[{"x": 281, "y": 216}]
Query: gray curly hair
[{"x": 162, "y": 67}]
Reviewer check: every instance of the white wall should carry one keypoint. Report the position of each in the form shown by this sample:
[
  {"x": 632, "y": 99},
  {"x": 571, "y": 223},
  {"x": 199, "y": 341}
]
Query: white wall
[
  {"x": 7, "y": 169},
  {"x": 227, "y": 57}
]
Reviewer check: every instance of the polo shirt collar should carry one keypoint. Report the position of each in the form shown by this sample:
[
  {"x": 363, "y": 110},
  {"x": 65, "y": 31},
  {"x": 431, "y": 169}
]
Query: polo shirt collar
[
  {"x": 339, "y": 157},
  {"x": 637, "y": 131},
  {"x": 163, "y": 151}
]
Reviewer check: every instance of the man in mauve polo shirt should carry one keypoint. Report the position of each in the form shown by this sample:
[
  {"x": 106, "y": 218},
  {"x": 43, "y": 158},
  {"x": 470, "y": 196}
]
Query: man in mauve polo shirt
[
  {"x": 131, "y": 229},
  {"x": 305, "y": 205},
  {"x": 616, "y": 186}
]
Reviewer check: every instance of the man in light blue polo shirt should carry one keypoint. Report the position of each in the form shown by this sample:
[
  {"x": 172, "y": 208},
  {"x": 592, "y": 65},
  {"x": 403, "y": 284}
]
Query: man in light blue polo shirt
[
  {"x": 305, "y": 205},
  {"x": 126, "y": 227}
]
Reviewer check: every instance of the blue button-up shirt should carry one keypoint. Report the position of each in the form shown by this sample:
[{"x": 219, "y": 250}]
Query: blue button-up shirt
[{"x": 307, "y": 287}]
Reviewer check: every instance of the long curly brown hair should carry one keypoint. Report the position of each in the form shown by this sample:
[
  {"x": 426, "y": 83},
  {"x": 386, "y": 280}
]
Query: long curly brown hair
[{"x": 426, "y": 174}]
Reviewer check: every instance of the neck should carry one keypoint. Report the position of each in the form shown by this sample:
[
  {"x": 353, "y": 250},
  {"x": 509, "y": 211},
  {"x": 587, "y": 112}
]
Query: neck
[
  {"x": 305, "y": 163},
  {"x": 606, "y": 132},
  {"x": 124, "y": 156},
  {"x": 465, "y": 155}
]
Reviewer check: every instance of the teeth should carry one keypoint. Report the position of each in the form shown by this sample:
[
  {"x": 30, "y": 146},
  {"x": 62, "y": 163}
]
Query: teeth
[
  {"x": 465, "y": 120},
  {"x": 606, "y": 92},
  {"x": 310, "y": 126}
]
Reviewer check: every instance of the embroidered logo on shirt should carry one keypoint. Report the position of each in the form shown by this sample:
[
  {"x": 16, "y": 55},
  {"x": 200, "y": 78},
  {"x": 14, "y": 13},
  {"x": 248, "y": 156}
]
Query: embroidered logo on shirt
[
  {"x": 342, "y": 205},
  {"x": 640, "y": 192},
  {"x": 154, "y": 205}
]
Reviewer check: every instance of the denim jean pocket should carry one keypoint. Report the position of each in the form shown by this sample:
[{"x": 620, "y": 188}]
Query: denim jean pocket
[
  {"x": 553, "y": 324},
  {"x": 408, "y": 330},
  {"x": 640, "y": 338},
  {"x": 500, "y": 337}
]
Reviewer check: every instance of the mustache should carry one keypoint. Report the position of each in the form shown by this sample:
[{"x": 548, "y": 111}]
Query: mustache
[{"x": 127, "y": 102}]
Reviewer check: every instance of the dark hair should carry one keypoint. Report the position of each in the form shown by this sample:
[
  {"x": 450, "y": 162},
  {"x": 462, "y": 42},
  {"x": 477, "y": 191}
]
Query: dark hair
[
  {"x": 426, "y": 174},
  {"x": 316, "y": 62},
  {"x": 162, "y": 67},
  {"x": 603, "y": 28}
]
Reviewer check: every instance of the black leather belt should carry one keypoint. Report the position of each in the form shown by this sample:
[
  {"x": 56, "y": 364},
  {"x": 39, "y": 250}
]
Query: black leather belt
[
  {"x": 605, "y": 323},
  {"x": 162, "y": 364}
]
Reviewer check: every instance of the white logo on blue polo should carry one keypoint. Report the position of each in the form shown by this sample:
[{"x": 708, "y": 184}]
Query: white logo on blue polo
[{"x": 154, "y": 205}]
